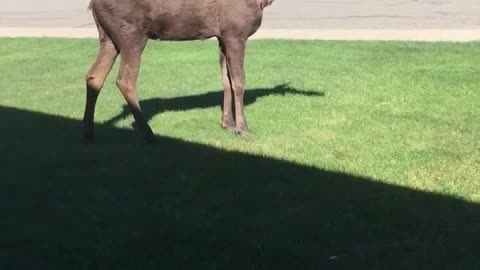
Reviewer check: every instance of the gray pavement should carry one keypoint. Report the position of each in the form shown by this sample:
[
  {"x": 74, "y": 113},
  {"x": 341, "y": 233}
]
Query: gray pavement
[
  {"x": 329, "y": 19},
  {"x": 374, "y": 14},
  {"x": 45, "y": 13},
  {"x": 284, "y": 14}
]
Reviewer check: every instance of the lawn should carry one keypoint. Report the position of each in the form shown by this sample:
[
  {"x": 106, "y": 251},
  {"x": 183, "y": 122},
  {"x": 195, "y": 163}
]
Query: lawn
[{"x": 362, "y": 155}]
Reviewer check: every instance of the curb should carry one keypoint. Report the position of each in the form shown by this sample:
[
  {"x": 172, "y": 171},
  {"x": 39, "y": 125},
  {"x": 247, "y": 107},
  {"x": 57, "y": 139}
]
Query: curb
[{"x": 457, "y": 35}]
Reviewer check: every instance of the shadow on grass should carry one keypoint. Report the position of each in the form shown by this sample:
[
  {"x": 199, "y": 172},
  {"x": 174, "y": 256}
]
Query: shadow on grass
[
  {"x": 152, "y": 107},
  {"x": 180, "y": 205}
]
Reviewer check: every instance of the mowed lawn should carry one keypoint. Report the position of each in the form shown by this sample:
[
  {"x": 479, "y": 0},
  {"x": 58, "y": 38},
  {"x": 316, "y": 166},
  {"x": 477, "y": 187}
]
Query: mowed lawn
[{"x": 362, "y": 155}]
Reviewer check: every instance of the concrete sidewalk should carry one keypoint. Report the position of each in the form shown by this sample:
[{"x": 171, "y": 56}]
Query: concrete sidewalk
[
  {"x": 283, "y": 14},
  {"x": 446, "y": 20},
  {"x": 459, "y": 35}
]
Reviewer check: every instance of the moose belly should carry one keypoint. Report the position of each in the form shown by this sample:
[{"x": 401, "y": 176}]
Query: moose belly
[{"x": 182, "y": 27}]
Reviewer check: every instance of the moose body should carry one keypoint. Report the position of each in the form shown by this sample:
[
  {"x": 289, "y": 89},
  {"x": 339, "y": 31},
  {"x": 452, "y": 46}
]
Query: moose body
[{"x": 125, "y": 26}]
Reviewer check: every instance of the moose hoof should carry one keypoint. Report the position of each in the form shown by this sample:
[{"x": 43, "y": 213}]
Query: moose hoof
[
  {"x": 228, "y": 123},
  {"x": 229, "y": 126},
  {"x": 148, "y": 136},
  {"x": 88, "y": 138},
  {"x": 148, "y": 140},
  {"x": 242, "y": 131}
]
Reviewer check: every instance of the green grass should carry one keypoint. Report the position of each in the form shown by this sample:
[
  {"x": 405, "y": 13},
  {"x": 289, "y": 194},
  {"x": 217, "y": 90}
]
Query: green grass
[{"x": 367, "y": 151}]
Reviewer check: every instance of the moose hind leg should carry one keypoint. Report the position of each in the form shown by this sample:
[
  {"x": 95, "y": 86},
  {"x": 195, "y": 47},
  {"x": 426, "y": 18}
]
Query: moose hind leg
[
  {"x": 94, "y": 83},
  {"x": 227, "y": 115},
  {"x": 235, "y": 52}
]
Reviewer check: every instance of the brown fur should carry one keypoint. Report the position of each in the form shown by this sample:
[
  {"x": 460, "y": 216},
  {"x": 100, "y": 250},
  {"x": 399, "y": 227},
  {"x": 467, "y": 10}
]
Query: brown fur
[{"x": 124, "y": 27}]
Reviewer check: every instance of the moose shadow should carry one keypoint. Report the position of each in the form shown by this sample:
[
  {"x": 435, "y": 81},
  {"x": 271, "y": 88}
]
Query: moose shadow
[{"x": 152, "y": 107}]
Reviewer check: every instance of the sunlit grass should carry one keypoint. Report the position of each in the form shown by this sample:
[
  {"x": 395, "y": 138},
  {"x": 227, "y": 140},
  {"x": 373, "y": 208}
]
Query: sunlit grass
[{"x": 404, "y": 113}]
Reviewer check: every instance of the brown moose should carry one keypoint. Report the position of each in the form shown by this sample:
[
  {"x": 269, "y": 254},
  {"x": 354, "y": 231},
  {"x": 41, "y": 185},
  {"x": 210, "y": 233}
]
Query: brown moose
[{"x": 125, "y": 26}]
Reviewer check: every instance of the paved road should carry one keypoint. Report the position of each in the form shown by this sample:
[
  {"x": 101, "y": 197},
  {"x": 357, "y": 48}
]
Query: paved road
[{"x": 284, "y": 14}]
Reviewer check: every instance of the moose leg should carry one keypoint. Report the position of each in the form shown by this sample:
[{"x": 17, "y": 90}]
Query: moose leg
[
  {"x": 127, "y": 83},
  {"x": 235, "y": 51},
  {"x": 227, "y": 114},
  {"x": 94, "y": 82}
]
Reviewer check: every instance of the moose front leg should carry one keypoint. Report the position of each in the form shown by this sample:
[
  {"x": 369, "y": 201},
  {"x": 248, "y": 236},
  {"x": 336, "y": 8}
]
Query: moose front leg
[{"x": 127, "y": 83}]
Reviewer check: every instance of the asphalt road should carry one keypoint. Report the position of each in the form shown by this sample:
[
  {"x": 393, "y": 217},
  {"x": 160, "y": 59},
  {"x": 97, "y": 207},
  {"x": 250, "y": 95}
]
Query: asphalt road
[{"x": 284, "y": 14}]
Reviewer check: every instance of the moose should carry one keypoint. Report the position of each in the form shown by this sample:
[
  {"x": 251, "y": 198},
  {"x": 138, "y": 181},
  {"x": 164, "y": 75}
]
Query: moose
[{"x": 125, "y": 26}]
